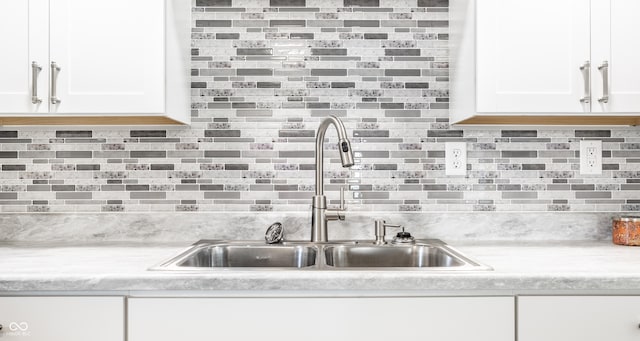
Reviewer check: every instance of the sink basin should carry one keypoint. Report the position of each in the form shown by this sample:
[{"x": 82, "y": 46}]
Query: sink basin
[
  {"x": 424, "y": 255},
  {"x": 385, "y": 256},
  {"x": 244, "y": 255}
]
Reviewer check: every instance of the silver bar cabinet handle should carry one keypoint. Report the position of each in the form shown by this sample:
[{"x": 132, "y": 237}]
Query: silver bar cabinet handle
[
  {"x": 586, "y": 73},
  {"x": 35, "y": 72},
  {"x": 55, "y": 69},
  {"x": 604, "y": 68}
]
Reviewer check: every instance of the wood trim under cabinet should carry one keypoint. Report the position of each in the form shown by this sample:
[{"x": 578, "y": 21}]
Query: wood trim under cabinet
[
  {"x": 88, "y": 120},
  {"x": 552, "y": 120}
]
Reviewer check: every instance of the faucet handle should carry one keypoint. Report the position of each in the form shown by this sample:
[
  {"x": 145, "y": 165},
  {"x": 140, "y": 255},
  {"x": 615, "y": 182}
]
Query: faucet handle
[
  {"x": 337, "y": 214},
  {"x": 343, "y": 205}
]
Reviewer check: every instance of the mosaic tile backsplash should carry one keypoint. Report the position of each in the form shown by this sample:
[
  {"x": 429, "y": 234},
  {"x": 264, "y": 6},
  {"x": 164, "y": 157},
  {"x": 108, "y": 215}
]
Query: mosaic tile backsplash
[{"x": 264, "y": 74}]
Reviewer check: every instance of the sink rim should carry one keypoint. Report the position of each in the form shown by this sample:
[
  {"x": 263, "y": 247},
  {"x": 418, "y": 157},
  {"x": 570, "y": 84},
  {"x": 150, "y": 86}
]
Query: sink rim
[{"x": 170, "y": 264}]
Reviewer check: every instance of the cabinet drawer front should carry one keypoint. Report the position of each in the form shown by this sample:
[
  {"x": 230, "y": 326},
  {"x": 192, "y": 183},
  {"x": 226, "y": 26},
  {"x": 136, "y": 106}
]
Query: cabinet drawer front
[
  {"x": 438, "y": 318},
  {"x": 584, "y": 318},
  {"x": 62, "y": 318}
]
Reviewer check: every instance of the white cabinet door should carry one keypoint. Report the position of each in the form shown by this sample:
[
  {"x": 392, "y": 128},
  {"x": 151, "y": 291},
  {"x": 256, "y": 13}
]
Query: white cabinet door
[
  {"x": 23, "y": 39},
  {"x": 615, "y": 37},
  {"x": 322, "y": 319},
  {"x": 62, "y": 318},
  {"x": 596, "y": 318},
  {"x": 529, "y": 55},
  {"x": 110, "y": 54}
]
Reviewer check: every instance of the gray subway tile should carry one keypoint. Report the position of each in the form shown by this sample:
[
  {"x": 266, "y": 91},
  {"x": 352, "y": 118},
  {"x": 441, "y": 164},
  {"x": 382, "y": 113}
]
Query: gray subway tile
[
  {"x": 227, "y": 36},
  {"x": 362, "y": 23},
  {"x": 296, "y": 133},
  {"x": 13, "y": 168},
  {"x": 519, "y": 153},
  {"x": 433, "y": 3},
  {"x": 255, "y": 72},
  {"x": 268, "y": 85},
  {"x": 433, "y": 23},
  {"x": 213, "y": 23},
  {"x": 402, "y": 52},
  {"x": 73, "y": 133},
  {"x": 73, "y": 195},
  {"x": 254, "y": 52},
  {"x": 519, "y": 133},
  {"x": 221, "y": 195},
  {"x": 148, "y": 133},
  {"x": 593, "y": 195},
  {"x": 222, "y": 153},
  {"x": 445, "y": 195},
  {"x": 301, "y": 35},
  {"x": 147, "y": 195},
  {"x": 213, "y": 3},
  {"x": 370, "y": 133},
  {"x": 222, "y": 133},
  {"x": 287, "y": 23},
  {"x": 287, "y": 3},
  {"x": 8, "y": 134},
  {"x": 402, "y": 72},
  {"x": 73, "y": 154},
  {"x": 343, "y": 85},
  {"x": 593, "y": 133},
  {"x": 328, "y": 52},
  {"x": 416, "y": 85},
  {"x": 378, "y": 36},
  {"x": 361, "y": 3},
  {"x": 519, "y": 195},
  {"x": 148, "y": 153},
  {"x": 328, "y": 72}
]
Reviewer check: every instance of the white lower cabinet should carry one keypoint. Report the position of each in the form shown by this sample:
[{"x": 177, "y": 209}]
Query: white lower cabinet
[
  {"x": 321, "y": 318},
  {"x": 584, "y": 318},
  {"x": 62, "y": 318}
]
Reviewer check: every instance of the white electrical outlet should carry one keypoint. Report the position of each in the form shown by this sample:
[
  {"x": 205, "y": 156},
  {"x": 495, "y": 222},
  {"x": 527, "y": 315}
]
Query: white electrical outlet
[
  {"x": 591, "y": 157},
  {"x": 455, "y": 158}
]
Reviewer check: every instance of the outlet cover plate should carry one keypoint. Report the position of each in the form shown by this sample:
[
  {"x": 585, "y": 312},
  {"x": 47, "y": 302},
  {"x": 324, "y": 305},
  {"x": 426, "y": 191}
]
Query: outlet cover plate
[
  {"x": 455, "y": 155},
  {"x": 591, "y": 157}
]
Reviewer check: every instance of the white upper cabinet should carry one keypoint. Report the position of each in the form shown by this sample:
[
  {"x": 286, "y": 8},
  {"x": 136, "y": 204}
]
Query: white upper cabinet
[
  {"x": 545, "y": 62},
  {"x": 24, "y": 41},
  {"x": 615, "y": 55},
  {"x": 110, "y": 55},
  {"x": 94, "y": 62},
  {"x": 529, "y": 55}
]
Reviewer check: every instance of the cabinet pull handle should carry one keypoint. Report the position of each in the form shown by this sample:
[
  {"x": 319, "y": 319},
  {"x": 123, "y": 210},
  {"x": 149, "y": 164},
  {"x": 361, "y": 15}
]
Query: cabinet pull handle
[
  {"x": 35, "y": 72},
  {"x": 604, "y": 68},
  {"x": 55, "y": 69},
  {"x": 586, "y": 74}
]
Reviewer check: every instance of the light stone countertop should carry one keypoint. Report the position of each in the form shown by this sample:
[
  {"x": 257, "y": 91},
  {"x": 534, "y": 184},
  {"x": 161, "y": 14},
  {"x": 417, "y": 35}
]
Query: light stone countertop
[{"x": 588, "y": 267}]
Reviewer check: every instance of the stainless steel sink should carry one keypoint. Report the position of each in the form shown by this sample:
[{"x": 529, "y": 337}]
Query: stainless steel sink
[
  {"x": 243, "y": 255},
  {"x": 396, "y": 256},
  {"x": 415, "y": 256},
  {"x": 424, "y": 255}
]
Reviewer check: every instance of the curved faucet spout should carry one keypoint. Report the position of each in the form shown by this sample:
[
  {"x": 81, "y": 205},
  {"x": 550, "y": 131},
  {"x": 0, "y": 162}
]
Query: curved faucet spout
[
  {"x": 344, "y": 148},
  {"x": 320, "y": 214}
]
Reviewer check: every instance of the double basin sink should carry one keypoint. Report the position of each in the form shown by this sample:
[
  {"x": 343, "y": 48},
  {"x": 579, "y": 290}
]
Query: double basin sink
[{"x": 433, "y": 255}]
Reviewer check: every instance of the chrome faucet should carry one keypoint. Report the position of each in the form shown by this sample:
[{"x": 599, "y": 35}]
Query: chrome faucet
[{"x": 320, "y": 214}]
